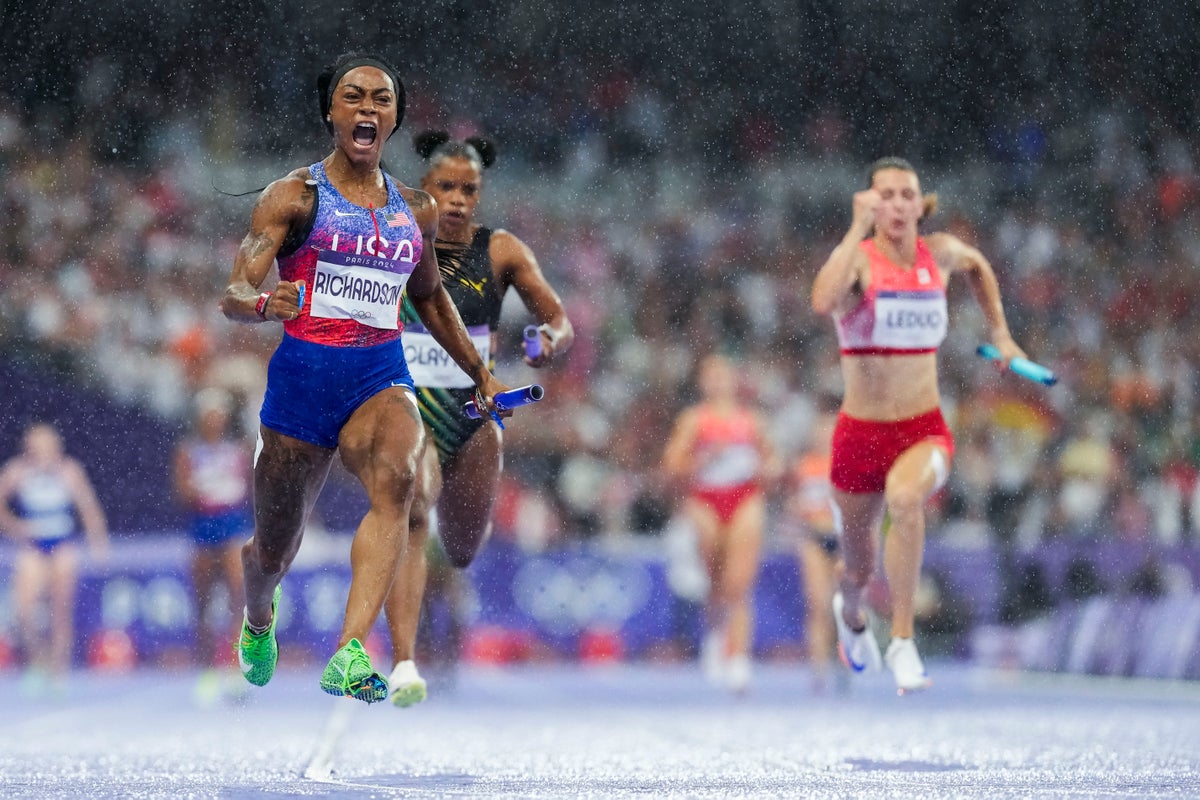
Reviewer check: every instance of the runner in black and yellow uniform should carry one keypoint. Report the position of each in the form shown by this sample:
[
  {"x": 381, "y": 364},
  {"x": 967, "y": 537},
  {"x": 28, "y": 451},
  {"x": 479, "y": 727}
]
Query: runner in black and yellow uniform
[
  {"x": 442, "y": 388},
  {"x": 478, "y": 265}
]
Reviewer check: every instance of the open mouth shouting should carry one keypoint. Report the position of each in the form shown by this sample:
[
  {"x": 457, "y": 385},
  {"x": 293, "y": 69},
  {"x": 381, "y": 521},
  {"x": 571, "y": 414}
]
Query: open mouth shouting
[{"x": 365, "y": 133}]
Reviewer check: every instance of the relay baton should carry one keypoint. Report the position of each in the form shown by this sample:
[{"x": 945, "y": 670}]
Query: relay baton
[
  {"x": 513, "y": 398},
  {"x": 1021, "y": 366},
  {"x": 533, "y": 341},
  {"x": 300, "y": 299}
]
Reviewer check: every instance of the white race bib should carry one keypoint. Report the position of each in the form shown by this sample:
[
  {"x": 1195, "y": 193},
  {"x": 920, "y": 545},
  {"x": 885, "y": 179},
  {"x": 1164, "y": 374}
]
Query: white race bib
[
  {"x": 359, "y": 287},
  {"x": 910, "y": 320},
  {"x": 429, "y": 363},
  {"x": 734, "y": 464},
  {"x": 46, "y": 505}
]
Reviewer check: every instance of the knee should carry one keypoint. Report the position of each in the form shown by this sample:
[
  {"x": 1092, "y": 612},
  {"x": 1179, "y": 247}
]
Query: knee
[
  {"x": 275, "y": 565},
  {"x": 738, "y": 580},
  {"x": 459, "y": 555},
  {"x": 461, "y": 550},
  {"x": 905, "y": 503},
  {"x": 397, "y": 484},
  {"x": 265, "y": 559},
  {"x": 418, "y": 521},
  {"x": 418, "y": 537},
  {"x": 856, "y": 575},
  {"x": 732, "y": 594}
]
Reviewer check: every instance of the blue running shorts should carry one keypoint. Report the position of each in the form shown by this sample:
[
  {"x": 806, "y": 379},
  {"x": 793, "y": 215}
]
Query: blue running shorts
[
  {"x": 209, "y": 530},
  {"x": 312, "y": 389}
]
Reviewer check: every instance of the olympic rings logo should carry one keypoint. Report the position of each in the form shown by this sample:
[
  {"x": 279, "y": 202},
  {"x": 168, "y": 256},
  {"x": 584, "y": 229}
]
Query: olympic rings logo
[
  {"x": 358, "y": 313},
  {"x": 569, "y": 597}
]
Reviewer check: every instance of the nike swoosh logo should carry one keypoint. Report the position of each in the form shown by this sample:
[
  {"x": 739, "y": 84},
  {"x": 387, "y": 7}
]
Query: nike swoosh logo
[{"x": 345, "y": 213}]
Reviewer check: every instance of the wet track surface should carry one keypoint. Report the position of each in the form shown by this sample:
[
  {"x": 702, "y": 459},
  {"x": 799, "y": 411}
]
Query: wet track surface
[{"x": 610, "y": 732}]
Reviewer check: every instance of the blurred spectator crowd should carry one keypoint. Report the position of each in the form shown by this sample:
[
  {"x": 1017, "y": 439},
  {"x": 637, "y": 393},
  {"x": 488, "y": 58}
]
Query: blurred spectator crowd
[{"x": 680, "y": 194}]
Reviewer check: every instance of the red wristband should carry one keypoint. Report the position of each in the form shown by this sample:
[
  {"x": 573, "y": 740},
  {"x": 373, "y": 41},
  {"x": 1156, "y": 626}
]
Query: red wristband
[{"x": 260, "y": 307}]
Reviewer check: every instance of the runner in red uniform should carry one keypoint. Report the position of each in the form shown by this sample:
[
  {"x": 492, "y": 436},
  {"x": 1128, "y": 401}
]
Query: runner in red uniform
[
  {"x": 719, "y": 451},
  {"x": 884, "y": 286}
]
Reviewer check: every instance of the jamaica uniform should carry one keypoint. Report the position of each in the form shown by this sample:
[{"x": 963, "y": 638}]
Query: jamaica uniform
[{"x": 443, "y": 388}]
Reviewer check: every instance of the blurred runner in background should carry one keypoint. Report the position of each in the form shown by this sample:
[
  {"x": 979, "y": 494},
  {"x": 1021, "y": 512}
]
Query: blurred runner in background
[{"x": 46, "y": 503}]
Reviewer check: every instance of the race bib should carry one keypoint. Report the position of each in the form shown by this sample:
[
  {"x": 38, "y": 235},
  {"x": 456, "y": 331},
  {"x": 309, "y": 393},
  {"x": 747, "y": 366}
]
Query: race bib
[
  {"x": 363, "y": 288},
  {"x": 734, "y": 464},
  {"x": 429, "y": 363},
  {"x": 910, "y": 320}
]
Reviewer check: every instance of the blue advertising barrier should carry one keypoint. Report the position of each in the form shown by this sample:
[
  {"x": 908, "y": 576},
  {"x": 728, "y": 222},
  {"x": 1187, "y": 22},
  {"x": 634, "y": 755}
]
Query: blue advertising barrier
[{"x": 558, "y": 599}]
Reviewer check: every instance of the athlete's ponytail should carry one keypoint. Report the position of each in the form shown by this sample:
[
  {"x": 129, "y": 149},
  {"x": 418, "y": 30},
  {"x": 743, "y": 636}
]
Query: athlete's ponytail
[
  {"x": 434, "y": 145},
  {"x": 426, "y": 143},
  {"x": 929, "y": 205},
  {"x": 486, "y": 149}
]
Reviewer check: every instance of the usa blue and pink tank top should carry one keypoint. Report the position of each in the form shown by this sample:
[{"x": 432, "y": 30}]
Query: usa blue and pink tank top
[
  {"x": 355, "y": 263},
  {"x": 220, "y": 473}
]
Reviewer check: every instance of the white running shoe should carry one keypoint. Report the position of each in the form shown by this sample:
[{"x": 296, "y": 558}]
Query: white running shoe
[
  {"x": 406, "y": 684},
  {"x": 907, "y": 668},
  {"x": 712, "y": 657},
  {"x": 858, "y": 649},
  {"x": 737, "y": 673}
]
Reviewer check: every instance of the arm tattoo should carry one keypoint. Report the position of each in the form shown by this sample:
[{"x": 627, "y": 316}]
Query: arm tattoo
[
  {"x": 420, "y": 201},
  {"x": 258, "y": 243}
]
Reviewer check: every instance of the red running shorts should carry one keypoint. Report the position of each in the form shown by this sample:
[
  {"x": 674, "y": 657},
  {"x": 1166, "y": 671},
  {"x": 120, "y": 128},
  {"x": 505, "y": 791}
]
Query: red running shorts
[{"x": 865, "y": 450}]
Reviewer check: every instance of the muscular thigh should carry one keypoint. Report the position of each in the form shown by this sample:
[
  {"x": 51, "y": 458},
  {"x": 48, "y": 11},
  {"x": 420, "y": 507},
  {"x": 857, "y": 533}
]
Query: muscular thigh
[
  {"x": 475, "y": 470},
  {"x": 64, "y": 566},
  {"x": 428, "y": 485},
  {"x": 708, "y": 531},
  {"x": 285, "y": 466},
  {"x": 921, "y": 469},
  {"x": 744, "y": 537},
  {"x": 383, "y": 441},
  {"x": 31, "y": 573},
  {"x": 470, "y": 482},
  {"x": 859, "y": 516}
]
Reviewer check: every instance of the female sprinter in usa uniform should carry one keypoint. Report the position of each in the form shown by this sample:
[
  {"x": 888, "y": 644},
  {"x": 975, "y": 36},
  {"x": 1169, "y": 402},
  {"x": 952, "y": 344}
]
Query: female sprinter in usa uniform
[
  {"x": 349, "y": 239},
  {"x": 212, "y": 481},
  {"x": 46, "y": 499},
  {"x": 478, "y": 266},
  {"x": 884, "y": 286}
]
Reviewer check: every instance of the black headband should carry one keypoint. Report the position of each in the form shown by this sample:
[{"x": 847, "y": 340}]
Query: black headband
[{"x": 327, "y": 82}]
